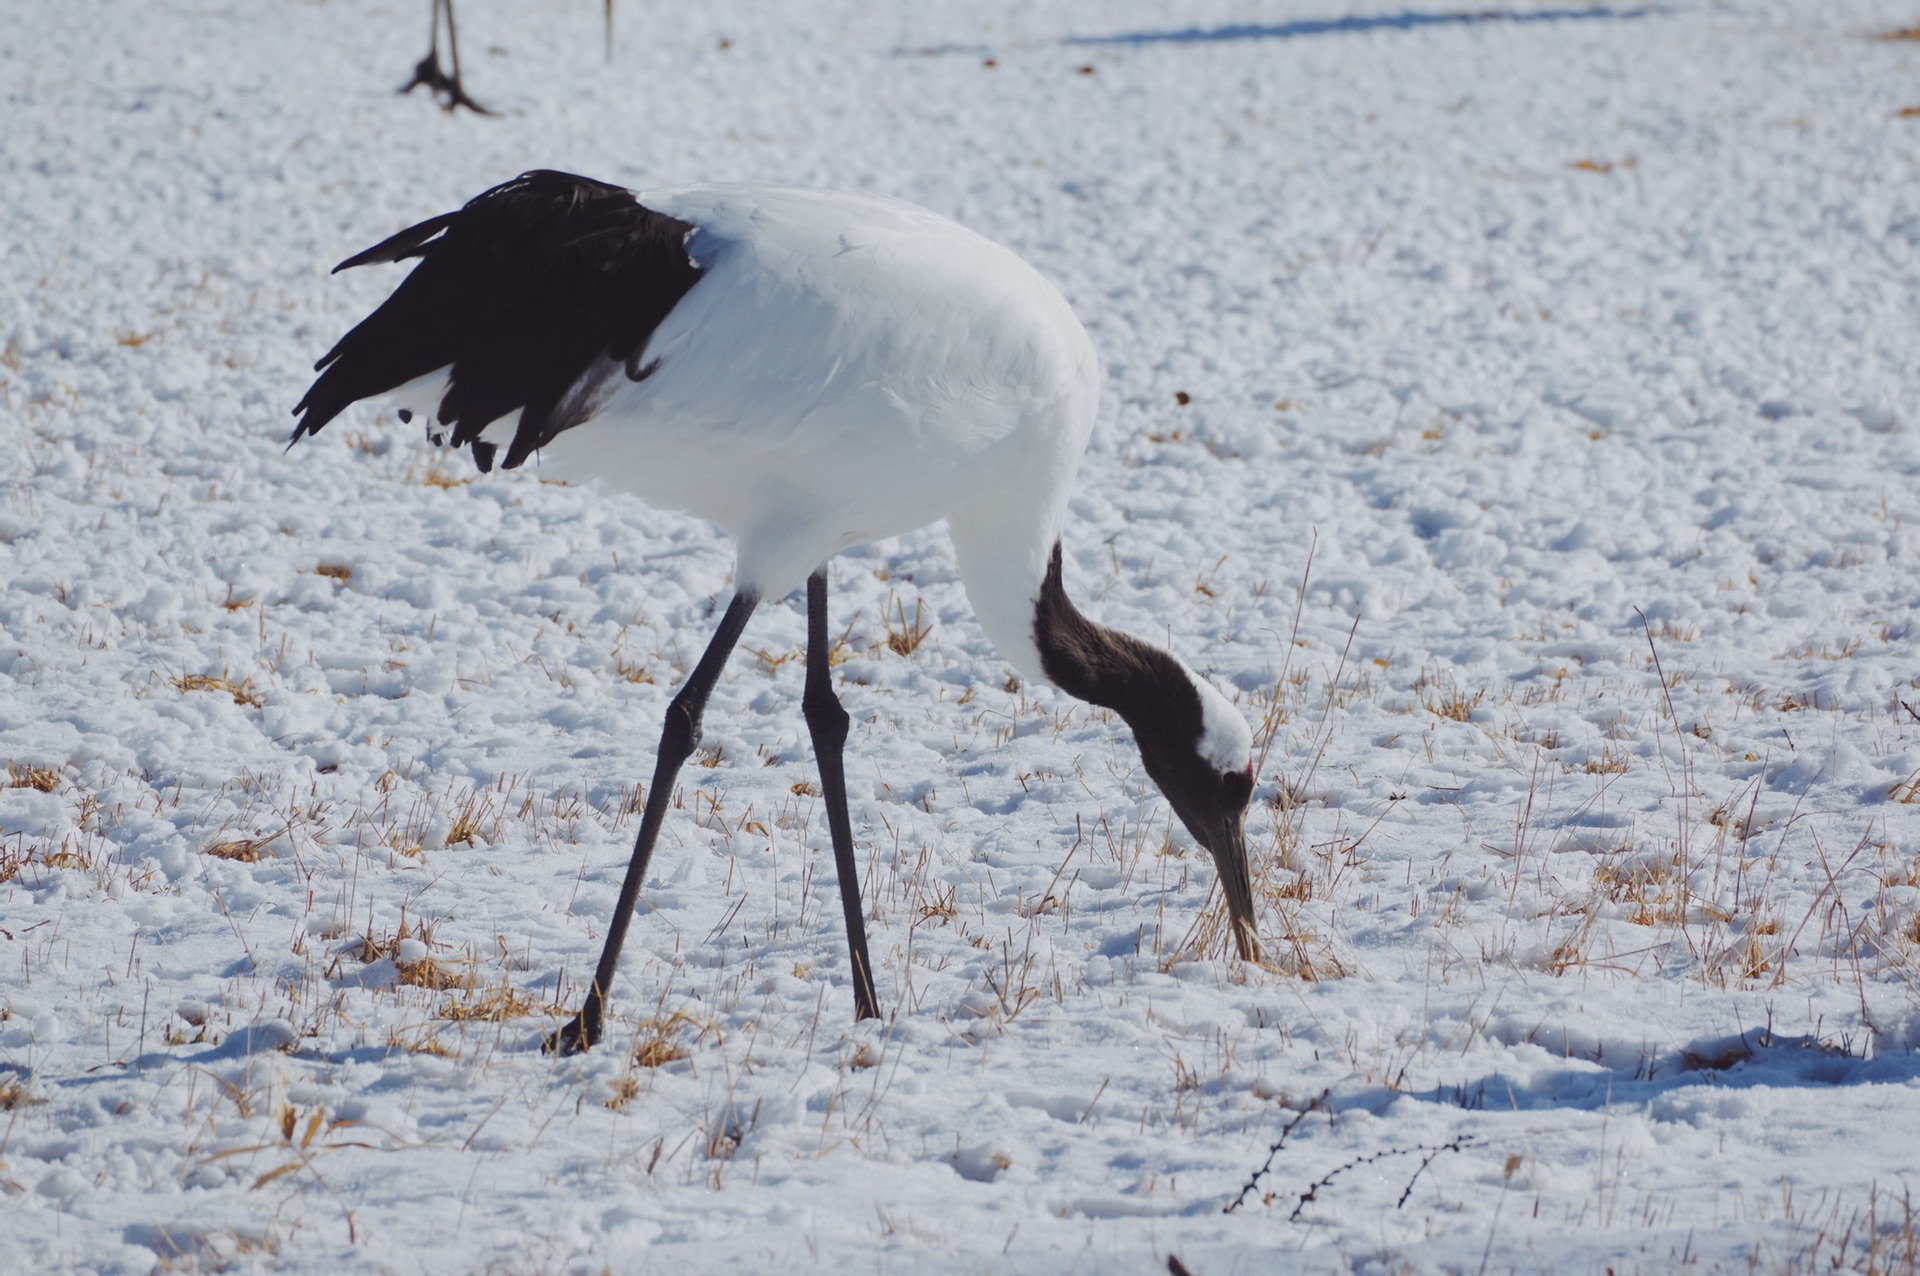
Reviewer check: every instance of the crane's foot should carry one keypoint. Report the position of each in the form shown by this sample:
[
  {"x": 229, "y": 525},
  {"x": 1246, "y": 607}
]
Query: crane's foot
[
  {"x": 446, "y": 89},
  {"x": 865, "y": 1004},
  {"x": 577, "y": 1037}
]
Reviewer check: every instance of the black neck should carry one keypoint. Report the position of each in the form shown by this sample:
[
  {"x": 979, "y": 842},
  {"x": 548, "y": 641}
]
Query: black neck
[{"x": 1143, "y": 684}]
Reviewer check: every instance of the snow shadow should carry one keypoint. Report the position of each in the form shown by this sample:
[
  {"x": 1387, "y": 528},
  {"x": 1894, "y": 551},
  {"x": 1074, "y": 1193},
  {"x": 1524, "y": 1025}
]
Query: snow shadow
[
  {"x": 1305, "y": 27},
  {"x": 1670, "y": 1086}
]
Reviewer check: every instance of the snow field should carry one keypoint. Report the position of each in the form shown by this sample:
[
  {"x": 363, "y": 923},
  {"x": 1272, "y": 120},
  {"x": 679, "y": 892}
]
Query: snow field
[{"x": 1515, "y": 415}]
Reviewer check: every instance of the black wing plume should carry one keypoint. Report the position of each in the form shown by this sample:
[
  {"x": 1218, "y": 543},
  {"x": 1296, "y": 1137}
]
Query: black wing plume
[{"x": 524, "y": 292}]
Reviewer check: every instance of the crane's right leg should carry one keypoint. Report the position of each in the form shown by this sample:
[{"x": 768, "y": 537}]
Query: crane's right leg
[
  {"x": 678, "y": 740},
  {"x": 827, "y": 723}
]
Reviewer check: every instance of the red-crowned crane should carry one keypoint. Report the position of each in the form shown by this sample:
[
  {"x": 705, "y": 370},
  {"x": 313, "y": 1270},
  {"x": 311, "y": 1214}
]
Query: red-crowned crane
[{"x": 808, "y": 370}]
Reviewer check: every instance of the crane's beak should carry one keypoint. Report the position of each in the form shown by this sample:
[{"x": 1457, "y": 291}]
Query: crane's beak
[{"x": 1228, "y": 845}]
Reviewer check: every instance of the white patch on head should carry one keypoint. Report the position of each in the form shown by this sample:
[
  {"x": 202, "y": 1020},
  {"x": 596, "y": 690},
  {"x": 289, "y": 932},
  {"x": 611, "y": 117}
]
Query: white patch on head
[{"x": 1226, "y": 742}]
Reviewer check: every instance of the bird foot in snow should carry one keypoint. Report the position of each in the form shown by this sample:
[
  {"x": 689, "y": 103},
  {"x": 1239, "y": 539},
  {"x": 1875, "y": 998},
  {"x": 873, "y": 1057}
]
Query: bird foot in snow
[
  {"x": 446, "y": 89},
  {"x": 572, "y": 1039}
]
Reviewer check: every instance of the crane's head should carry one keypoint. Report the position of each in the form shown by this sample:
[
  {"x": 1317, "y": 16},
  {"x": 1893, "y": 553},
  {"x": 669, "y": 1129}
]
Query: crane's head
[
  {"x": 1194, "y": 743},
  {"x": 1198, "y": 749}
]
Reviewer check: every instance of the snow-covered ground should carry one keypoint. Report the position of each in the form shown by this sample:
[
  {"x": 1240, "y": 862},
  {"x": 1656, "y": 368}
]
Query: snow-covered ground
[{"x": 1517, "y": 412}]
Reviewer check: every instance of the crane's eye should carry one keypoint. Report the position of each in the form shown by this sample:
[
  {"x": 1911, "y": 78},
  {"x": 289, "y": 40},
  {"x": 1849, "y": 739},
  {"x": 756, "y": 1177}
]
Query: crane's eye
[{"x": 1236, "y": 788}]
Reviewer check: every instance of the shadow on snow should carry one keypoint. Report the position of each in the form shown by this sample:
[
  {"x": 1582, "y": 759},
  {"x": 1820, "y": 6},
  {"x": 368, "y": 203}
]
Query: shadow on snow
[
  {"x": 1346, "y": 26},
  {"x": 1751, "y": 1060},
  {"x": 1306, "y": 27}
]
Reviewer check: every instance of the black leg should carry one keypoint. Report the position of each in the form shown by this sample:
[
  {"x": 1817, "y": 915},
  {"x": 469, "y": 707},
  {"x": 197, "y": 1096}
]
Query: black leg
[
  {"x": 443, "y": 86},
  {"x": 428, "y": 71},
  {"x": 678, "y": 740},
  {"x": 827, "y": 722}
]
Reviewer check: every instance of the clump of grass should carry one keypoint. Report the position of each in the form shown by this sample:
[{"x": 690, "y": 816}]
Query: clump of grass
[
  {"x": 340, "y": 573},
  {"x": 87, "y": 855},
  {"x": 940, "y": 906},
  {"x": 1650, "y": 886},
  {"x": 427, "y": 972},
  {"x": 418, "y": 1040},
  {"x": 475, "y": 821},
  {"x": 495, "y": 1005},
  {"x": 1608, "y": 763},
  {"x": 660, "y": 1035},
  {"x": 13, "y": 1093},
  {"x": 1297, "y": 950},
  {"x": 40, "y": 778},
  {"x": 631, "y": 672},
  {"x": 245, "y": 850},
  {"x": 431, "y": 975},
  {"x": 773, "y": 659},
  {"x": 905, "y": 638},
  {"x": 1452, "y": 703},
  {"x": 242, "y": 691}
]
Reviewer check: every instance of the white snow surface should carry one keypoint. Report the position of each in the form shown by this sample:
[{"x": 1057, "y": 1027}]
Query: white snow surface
[{"x": 1573, "y": 346}]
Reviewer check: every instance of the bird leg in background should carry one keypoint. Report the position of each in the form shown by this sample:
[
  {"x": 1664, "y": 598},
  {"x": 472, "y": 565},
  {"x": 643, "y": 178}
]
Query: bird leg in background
[
  {"x": 827, "y": 722},
  {"x": 678, "y": 739},
  {"x": 438, "y": 82}
]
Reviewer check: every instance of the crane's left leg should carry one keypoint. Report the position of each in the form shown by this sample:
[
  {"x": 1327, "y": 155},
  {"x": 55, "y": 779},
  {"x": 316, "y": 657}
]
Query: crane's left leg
[
  {"x": 678, "y": 738},
  {"x": 827, "y": 722}
]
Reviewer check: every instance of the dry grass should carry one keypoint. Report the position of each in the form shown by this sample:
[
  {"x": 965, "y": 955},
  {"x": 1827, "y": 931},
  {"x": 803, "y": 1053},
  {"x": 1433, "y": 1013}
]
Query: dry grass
[
  {"x": 477, "y": 820},
  {"x": 418, "y": 1039},
  {"x": 13, "y": 1094},
  {"x": 427, "y": 972},
  {"x": 660, "y": 1037},
  {"x": 904, "y": 638},
  {"x": 242, "y": 691},
  {"x": 1609, "y": 762},
  {"x": 941, "y": 906},
  {"x": 86, "y": 852},
  {"x": 495, "y": 1005},
  {"x": 431, "y": 975},
  {"x": 246, "y": 850},
  {"x": 1651, "y": 887},
  {"x": 40, "y": 778},
  {"x": 1445, "y": 698},
  {"x": 1882, "y": 1239}
]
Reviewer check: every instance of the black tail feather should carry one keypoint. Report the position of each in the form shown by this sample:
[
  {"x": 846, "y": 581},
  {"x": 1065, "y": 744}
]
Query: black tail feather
[
  {"x": 411, "y": 242},
  {"x": 523, "y": 293}
]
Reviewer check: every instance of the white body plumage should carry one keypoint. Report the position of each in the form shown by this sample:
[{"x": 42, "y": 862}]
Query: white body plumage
[{"x": 848, "y": 367}]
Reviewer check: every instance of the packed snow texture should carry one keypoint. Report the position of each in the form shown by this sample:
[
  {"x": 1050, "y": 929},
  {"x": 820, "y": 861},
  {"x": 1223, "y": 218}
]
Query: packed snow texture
[{"x": 1514, "y": 411}]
